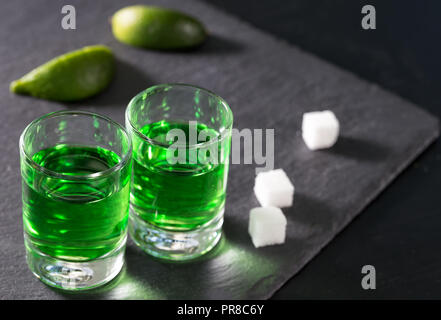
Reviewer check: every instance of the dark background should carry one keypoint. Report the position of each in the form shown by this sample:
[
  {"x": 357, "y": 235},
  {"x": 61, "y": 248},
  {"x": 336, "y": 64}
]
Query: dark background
[{"x": 400, "y": 233}]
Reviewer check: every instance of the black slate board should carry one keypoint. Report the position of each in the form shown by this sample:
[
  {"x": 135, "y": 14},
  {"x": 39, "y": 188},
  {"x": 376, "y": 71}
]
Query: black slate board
[{"x": 269, "y": 84}]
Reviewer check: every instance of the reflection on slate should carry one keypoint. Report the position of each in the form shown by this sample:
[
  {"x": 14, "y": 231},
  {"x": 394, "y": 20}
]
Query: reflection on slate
[{"x": 268, "y": 84}]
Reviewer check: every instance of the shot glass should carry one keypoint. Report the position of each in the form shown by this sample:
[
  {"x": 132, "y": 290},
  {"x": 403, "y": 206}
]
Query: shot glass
[
  {"x": 181, "y": 137},
  {"x": 75, "y": 169}
]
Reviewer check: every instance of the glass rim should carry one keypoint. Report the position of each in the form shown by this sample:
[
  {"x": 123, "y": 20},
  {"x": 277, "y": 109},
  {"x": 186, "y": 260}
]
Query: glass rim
[
  {"x": 182, "y": 85},
  {"x": 124, "y": 157}
]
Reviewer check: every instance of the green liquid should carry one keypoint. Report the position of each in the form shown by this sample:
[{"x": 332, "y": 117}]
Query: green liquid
[
  {"x": 75, "y": 220},
  {"x": 180, "y": 196}
]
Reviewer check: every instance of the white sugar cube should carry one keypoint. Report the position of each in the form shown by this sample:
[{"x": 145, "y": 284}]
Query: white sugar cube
[
  {"x": 267, "y": 226},
  {"x": 274, "y": 189},
  {"x": 320, "y": 129}
]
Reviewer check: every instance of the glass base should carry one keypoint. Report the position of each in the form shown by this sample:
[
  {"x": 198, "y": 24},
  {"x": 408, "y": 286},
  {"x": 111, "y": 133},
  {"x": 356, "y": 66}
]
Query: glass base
[
  {"x": 68, "y": 275},
  {"x": 175, "y": 245}
]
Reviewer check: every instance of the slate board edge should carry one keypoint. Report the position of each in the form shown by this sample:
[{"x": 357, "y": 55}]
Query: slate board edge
[
  {"x": 386, "y": 183},
  {"x": 302, "y": 51},
  {"x": 417, "y": 150}
]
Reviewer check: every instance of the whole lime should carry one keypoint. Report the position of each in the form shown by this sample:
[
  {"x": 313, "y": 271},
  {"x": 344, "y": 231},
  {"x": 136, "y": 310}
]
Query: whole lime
[{"x": 157, "y": 28}]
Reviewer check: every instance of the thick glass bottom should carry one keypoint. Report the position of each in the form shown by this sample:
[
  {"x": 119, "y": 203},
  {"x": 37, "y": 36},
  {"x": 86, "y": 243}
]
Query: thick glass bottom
[
  {"x": 175, "y": 245},
  {"x": 69, "y": 275}
]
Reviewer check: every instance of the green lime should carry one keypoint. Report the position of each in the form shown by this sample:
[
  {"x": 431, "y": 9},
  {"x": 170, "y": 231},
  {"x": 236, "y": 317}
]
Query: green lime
[
  {"x": 157, "y": 28},
  {"x": 72, "y": 76}
]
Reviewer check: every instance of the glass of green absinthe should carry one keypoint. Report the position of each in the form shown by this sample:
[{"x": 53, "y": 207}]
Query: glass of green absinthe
[
  {"x": 181, "y": 137},
  {"x": 75, "y": 170}
]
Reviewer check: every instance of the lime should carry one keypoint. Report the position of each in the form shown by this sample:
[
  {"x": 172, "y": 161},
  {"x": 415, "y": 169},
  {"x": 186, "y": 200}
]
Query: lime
[
  {"x": 157, "y": 28},
  {"x": 72, "y": 76}
]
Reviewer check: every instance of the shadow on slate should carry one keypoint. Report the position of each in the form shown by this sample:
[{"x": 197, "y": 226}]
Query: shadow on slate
[
  {"x": 268, "y": 84},
  {"x": 220, "y": 45},
  {"x": 359, "y": 149}
]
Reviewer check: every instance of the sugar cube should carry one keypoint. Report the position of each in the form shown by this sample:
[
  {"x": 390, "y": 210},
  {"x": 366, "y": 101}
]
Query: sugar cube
[
  {"x": 267, "y": 226},
  {"x": 273, "y": 188},
  {"x": 320, "y": 129}
]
